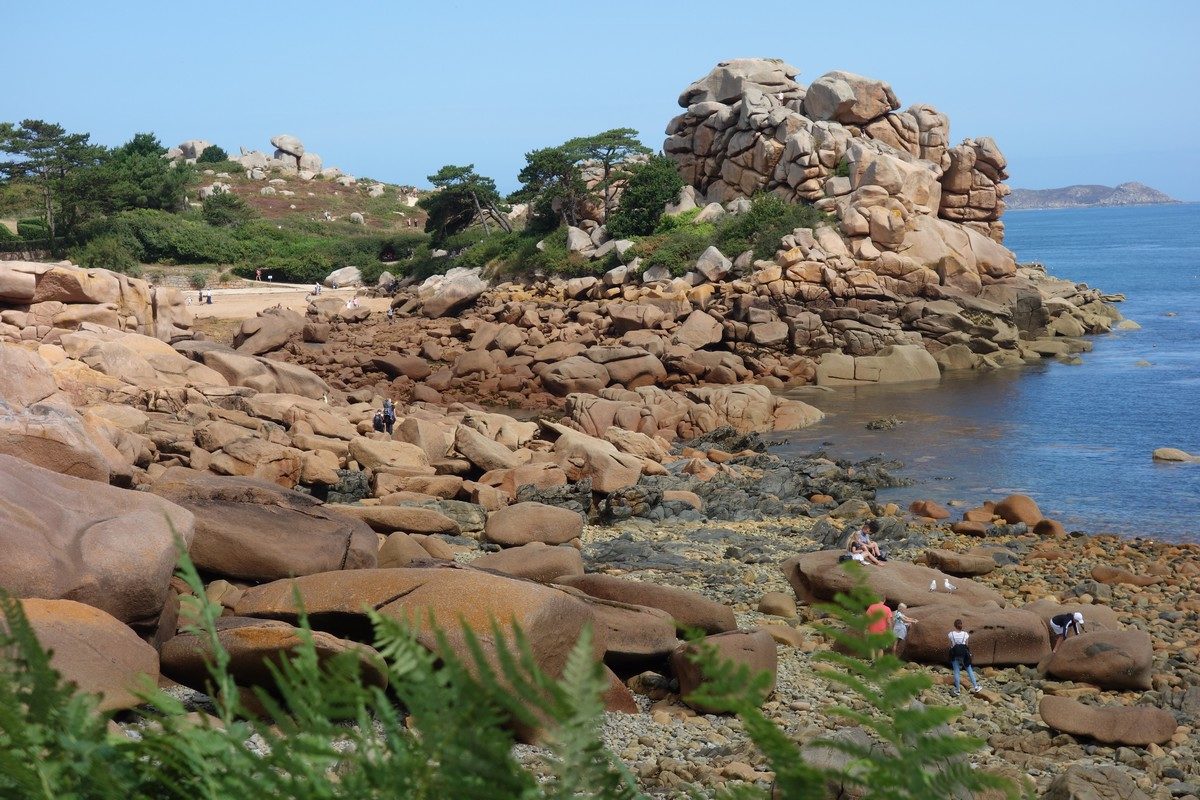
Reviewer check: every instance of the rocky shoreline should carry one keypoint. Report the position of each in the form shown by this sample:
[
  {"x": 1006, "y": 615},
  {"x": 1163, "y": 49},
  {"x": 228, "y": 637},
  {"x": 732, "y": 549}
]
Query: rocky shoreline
[{"x": 638, "y": 499}]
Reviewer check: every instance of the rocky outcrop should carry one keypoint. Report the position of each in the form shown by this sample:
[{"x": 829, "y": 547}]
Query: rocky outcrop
[
  {"x": 73, "y": 539},
  {"x": 39, "y": 301},
  {"x": 1125, "y": 194}
]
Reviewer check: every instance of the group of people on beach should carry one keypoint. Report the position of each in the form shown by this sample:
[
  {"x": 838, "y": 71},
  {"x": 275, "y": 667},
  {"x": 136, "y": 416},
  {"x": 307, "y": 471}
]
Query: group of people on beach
[{"x": 864, "y": 549}]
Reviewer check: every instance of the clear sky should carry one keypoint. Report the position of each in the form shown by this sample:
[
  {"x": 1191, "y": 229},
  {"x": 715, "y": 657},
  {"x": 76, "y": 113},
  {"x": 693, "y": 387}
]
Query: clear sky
[{"x": 1101, "y": 92}]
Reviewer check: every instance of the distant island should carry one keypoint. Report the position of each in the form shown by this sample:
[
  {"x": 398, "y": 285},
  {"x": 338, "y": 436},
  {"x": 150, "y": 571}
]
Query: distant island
[{"x": 1126, "y": 194}]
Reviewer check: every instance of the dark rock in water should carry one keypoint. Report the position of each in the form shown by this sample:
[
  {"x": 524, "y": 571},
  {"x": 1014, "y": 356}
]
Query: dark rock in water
[
  {"x": 577, "y": 497},
  {"x": 727, "y": 439},
  {"x": 353, "y": 486},
  {"x": 884, "y": 424}
]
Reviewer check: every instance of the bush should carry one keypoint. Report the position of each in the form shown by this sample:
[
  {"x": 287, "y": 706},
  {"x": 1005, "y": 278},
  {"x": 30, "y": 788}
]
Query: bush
[
  {"x": 677, "y": 248},
  {"x": 109, "y": 252},
  {"x": 225, "y": 210},
  {"x": 198, "y": 280},
  {"x": 212, "y": 154},
  {"x": 769, "y": 219},
  {"x": 7, "y": 235},
  {"x": 650, "y": 187},
  {"x": 842, "y": 170},
  {"x": 32, "y": 228}
]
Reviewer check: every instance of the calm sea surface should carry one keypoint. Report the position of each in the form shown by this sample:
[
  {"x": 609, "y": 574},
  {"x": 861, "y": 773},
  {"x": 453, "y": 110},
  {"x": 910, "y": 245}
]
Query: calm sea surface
[{"x": 1076, "y": 438}]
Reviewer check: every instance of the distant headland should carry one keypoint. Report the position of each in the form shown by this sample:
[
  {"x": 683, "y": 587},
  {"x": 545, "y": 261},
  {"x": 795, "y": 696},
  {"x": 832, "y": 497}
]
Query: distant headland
[{"x": 1089, "y": 195}]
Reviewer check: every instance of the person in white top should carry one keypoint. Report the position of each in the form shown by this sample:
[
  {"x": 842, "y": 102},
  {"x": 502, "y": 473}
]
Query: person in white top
[
  {"x": 900, "y": 624},
  {"x": 960, "y": 656}
]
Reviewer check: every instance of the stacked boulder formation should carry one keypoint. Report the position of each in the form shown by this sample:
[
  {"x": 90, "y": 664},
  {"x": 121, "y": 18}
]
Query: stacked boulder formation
[{"x": 288, "y": 158}]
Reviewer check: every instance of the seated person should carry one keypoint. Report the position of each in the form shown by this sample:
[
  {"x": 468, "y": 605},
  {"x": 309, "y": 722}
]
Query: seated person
[
  {"x": 862, "y": 555},
  {"x": 863, "y": 538}
]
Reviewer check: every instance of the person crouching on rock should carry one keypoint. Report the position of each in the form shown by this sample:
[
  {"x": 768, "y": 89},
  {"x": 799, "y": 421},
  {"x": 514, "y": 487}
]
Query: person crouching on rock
[
  {"x": 1061, "y": 623},
  {"x": 862, "y": 555},
  {"x": 960, "y": 656},
  {"x": 900, "y": 623},
  {"x": 378, "y": 422}
]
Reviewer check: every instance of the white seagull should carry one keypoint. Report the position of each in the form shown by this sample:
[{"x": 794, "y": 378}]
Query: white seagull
[
  {"x": 950, "y": 587},
  {"x": 933, "y": 586}
]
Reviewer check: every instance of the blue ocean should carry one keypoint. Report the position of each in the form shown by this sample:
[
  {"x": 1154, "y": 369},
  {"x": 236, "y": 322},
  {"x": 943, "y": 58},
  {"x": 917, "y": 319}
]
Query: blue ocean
[{"x": 1078, "y": 438}]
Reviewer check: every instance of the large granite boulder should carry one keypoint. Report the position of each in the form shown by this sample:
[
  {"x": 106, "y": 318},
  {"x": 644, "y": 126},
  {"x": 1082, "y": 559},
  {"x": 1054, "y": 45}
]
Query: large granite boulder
[
  {"x": 689, "y": 609},
  {"x": 998, "y": 636},
  {"x": 1095, "y": 617},
  {"x": 535, "y": 561},
  {"x": 1137, "y": 726},
  {"x": 1108, "y": 659},
  {"x": 93, "y": 650},
  {"x": 253, "y": 646},
  {"x": 249, "y": 529},
  {"x": 448, "y": 597},
  {"x": 442, "y": 294},
  {"x": 54, "y": 437},
  {"x": 752, "y": 649},
  {"x": 522, "y": 523},
  {"x": 75, "y": 539},
  {"x": 848, "y": 98},
  {"x": 270, "y": 330},
  {"x": 819, "y": 576}
]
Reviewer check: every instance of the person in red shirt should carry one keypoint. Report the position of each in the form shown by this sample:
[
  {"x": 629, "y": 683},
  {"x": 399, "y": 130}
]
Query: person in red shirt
[{"x": 879, "y": 619}]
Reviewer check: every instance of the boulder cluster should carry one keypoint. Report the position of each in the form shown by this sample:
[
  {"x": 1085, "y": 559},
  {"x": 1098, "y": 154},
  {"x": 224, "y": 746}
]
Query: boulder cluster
[{"x": 289, "y": 158}]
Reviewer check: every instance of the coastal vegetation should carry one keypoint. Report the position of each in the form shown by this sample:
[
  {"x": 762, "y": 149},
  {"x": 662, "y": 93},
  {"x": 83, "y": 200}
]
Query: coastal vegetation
[{"x": 130, "y": 206}]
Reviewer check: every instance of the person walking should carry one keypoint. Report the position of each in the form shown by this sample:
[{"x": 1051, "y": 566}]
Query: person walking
[
  {"x": 1060, "y": 624},
  {"x": 389, "y": 415},
  {"x": 900, "y": 623},
  {"x": 960, "y": 656},
  {"x": 377, "y": 422},
  {"x": 391, "y": 315}
]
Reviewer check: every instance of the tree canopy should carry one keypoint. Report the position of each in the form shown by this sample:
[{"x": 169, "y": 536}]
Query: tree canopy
[
  {"x": 649, "y": 188},
  {"x": 463, "y": 198}
]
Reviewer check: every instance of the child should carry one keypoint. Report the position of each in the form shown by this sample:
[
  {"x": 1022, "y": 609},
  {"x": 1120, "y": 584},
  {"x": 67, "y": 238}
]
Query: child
[{"x": 900, "y": 623}]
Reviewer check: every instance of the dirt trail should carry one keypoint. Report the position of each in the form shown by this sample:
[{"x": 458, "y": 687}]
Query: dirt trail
[{"x": 243, "y": 303}]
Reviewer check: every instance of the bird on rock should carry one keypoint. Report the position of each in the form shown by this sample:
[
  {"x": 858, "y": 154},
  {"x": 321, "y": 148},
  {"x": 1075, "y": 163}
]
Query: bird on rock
[
  {"x": 950, "y": 587},
  {"x": 933, "y": 586}
]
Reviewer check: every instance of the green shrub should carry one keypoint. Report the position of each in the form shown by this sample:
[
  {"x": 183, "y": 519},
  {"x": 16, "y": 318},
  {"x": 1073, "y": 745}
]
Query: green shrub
[
  {"x": 109, "y": 252},
  {"x": 226, "y": 210},
  {"x": 670, "y": 222},
  {"x": 842, "y": 170},
  {"x": 678, "y": 247},
  {"x": 7, "y": 235},
  {"x": 769, "y": 219},
  {"x": 213, "y": 154},
  {"x": 650, "y": 187},
  {"x": 32, "y": 228},
  {"x": 198, "y": 280}
]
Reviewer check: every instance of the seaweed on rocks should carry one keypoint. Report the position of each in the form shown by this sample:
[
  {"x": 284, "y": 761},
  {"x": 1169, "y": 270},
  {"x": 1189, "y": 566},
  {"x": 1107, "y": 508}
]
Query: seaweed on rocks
[
  {"x": 354, "y": 485},
  {"x": 575, "y": 496},
  {"x": 727, "y": 439}
]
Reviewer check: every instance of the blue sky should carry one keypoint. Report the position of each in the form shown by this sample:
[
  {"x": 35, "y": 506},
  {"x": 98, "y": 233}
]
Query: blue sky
[{"x": 395, "y": 90}]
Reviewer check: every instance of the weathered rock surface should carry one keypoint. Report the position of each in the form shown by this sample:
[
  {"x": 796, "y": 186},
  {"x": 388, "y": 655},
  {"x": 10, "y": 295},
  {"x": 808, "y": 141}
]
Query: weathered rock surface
[
  {"x": 998, "y": 636},
  {"x": 1129, "y": 725},
  {"x": 753, "y": 649},
  {"x": 250, "y": 529},
  {"x": 96, "y": 544},
  {"x": 522, "y": 523},
  {"x": 1108, "y": 659},
  {"x": 819, "y": 576},
  {"x": 94, "y": 650},
  {"x": 689, "y": 609}
]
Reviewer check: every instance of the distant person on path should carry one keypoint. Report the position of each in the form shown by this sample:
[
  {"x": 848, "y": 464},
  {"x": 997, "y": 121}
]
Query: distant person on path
[
  {"x": 1060, "y": 624},
  {"x": 900, "y": 623},
  {"x": 960, "y": 656},
  {"x": 391, "y": 315},
  {"x": 377, "y": 422},
  {"x": 258, "y": 274},
  {"x": 879, "y": 619},
  {"x": 316, "y": 289},
  {"x": 389, "y": 414}
]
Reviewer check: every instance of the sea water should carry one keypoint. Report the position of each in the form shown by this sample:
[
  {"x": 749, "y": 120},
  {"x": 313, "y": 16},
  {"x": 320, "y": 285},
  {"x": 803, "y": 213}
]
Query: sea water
[{"x": 1078, "y": 439}]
